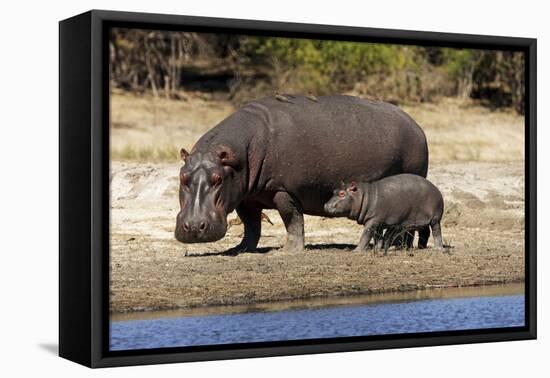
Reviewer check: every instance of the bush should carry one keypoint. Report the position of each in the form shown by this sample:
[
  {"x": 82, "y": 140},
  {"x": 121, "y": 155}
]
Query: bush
[{"x": 157, "y": 60}]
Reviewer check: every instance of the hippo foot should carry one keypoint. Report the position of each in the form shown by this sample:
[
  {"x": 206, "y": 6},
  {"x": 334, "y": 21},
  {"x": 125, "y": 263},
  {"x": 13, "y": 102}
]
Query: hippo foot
[
  {"x": 242, "y": 247},
  {"x": 444, "y": 249},
  {"x": 294, "y": 246},
  {"x": 358, "y": 249}
]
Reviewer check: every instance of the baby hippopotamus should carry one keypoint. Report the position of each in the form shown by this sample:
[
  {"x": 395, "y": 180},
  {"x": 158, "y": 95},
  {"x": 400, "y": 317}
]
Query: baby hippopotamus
[{"x": 400, "y": 203}]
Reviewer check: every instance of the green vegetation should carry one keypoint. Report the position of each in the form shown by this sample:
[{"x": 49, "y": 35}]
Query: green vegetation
[
  {"x": 245, "y": 67},
  {"x": 328, "y": 66}
]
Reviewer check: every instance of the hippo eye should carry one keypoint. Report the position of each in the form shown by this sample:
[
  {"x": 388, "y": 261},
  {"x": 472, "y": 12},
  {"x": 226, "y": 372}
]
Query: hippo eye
[
  {"x": 342, "y": 193},
  {"x": 216, "y": 179},
  {"x": 184, "y": 178}
]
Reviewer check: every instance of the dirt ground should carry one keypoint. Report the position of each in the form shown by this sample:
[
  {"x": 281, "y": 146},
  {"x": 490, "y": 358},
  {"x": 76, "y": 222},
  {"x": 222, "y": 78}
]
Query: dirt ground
[{"x": 483, "y": 223}]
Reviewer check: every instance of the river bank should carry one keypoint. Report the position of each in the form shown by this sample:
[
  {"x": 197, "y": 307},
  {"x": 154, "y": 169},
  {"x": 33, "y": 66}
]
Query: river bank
[
  {"x": 483, "y": 307},
  {"x": 328, "y": 302}
]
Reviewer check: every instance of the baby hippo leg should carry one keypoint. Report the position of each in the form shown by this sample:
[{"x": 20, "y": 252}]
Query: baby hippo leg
[
  {"x": 404, "y": 240},
  {"x": 368, "y": 232},
  {"x": 438, "y": 239},
  {"x": 389, "y": 238}
]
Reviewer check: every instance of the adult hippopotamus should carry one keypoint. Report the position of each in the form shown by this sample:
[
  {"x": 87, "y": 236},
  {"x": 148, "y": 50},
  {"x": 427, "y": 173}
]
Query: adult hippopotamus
[{"x": 288, "y": 153}]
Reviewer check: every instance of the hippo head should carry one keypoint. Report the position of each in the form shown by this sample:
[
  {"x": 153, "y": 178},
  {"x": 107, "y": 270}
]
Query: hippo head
[
  {"x": 341, "y": 203},
  {"x": 209, "y": 190}
]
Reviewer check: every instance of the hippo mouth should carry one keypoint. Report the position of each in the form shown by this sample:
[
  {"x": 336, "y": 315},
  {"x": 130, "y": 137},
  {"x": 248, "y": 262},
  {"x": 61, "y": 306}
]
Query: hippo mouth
[
  {"x": 185, "y": 233},
  {"x": 193, "y": 237},
  {"x": 332, "y": 210}
]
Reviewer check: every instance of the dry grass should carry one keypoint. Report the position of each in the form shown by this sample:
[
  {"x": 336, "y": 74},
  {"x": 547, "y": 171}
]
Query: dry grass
[
  {"x": 148, "y": 129},
  {"x": 144, "y": 128},
  {"x": 464, "y": 131}
]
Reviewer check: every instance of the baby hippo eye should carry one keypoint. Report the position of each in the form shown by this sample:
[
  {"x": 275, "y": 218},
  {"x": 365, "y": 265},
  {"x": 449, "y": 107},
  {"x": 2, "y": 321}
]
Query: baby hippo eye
[
  {"x": 216, "y": 179},
  {"x": 342, "y": 193}
]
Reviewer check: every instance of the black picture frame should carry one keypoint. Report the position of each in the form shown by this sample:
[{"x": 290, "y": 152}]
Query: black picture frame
[{"x": 84, "y": 188}]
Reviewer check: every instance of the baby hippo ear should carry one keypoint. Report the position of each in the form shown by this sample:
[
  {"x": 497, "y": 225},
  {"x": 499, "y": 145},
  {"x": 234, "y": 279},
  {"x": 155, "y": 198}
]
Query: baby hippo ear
[
  {"x": 352, "y": 187},
  {"x": 183, "y": 154}
]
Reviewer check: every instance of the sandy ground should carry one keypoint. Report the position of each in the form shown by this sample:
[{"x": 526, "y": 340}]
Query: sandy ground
[{"x": 483, "y": 223}]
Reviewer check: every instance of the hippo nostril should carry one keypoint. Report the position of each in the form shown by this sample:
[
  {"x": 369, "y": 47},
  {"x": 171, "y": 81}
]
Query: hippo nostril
[
  {"x": 202, "y": 226},
  {"x": 185, "y": 226}
]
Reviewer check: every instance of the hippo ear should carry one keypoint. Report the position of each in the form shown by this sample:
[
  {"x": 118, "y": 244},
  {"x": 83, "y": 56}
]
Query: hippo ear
[
  {"x": 183, "y": 154},
  {"x": 352, "y": 187},
  {"x": 227, "y": 157}
]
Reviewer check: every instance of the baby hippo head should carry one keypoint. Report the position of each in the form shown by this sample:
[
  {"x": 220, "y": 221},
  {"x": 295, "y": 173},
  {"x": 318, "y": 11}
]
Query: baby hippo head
[{"x": 341, "y": 202}]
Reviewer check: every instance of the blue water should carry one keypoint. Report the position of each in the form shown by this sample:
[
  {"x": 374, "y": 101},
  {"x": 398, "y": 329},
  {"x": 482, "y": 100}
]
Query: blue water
[{"x": 356, "y": 320}]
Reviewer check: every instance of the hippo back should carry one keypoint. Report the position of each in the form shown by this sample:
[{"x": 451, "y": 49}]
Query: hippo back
[{"x": 307, "y": 147}]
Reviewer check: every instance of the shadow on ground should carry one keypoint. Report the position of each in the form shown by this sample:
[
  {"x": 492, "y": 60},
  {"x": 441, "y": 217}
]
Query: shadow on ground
[
  {"x": 262, "y": 250},
  {"x": 51, "y": 348},
  {"x": 330, "y": 246}
]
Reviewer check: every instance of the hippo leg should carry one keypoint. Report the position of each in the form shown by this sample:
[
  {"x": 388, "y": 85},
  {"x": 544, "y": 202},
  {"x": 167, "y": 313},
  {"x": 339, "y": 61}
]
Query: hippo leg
[
  {"x": 408, "y": 239},
  {"x": 423, "y": 236},
  {"x": 291, "y": 212},
  {"x": 251, "y": 216},
  {"x": 390, "y": 237},
  {"x": 368, "y": 232},
  {"x": 438, "y": 239},
  {"x": 403, "y": 239},
  {"x": 378, "y": 239}
]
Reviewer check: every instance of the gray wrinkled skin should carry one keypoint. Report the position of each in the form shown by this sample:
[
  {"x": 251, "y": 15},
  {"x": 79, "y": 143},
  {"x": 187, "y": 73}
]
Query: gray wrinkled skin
[
  {"x": 397, "y": 203},
  {"x": 289, "y": 156}
]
